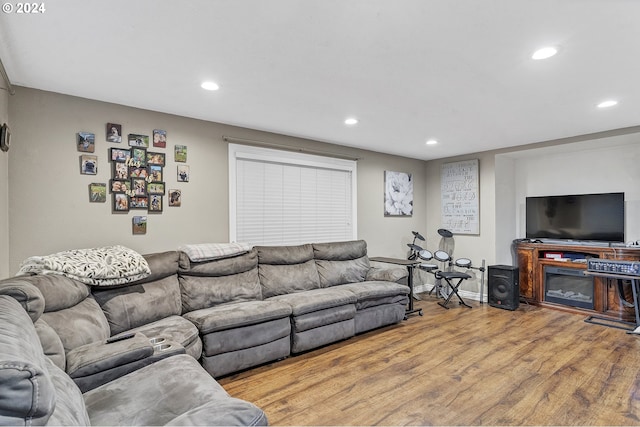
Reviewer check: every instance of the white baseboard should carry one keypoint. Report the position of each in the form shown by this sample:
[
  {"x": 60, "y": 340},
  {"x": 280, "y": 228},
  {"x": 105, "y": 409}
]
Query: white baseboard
[{"x": 464, "y": 294}]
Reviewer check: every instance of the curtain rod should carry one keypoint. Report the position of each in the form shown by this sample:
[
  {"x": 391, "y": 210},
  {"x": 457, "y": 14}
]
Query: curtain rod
[
  {"x": 5, "y": 76},
  {"x": 288, "y": 147}
]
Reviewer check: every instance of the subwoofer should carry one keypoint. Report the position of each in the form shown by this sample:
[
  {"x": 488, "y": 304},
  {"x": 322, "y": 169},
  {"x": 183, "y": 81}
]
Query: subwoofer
[{"x": 504, "y": 291}]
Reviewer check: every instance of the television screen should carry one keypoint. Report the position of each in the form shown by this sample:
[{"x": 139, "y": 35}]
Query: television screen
[{"x": 598, "y": 217}]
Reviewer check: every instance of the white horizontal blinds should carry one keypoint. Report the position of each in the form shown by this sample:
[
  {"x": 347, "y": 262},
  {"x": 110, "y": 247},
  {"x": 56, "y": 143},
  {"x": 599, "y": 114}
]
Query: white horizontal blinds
[{"x": 283, "y": 203}]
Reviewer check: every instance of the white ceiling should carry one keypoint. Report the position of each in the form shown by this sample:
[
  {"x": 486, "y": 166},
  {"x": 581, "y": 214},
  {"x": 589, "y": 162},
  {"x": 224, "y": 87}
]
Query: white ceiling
[{"x": 409, "y": 70}]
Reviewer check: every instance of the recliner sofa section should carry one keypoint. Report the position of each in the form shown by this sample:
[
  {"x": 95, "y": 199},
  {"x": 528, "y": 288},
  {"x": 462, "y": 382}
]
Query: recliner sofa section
[
  {"x": 223, "y": 298},
  {"x": 380, "y": 299},
  {"x": 320, "y": 316},
  {"x": 35, "y": 390},
  {"x": 73, "y": 330},
  {"x": 151, "y": 306}
]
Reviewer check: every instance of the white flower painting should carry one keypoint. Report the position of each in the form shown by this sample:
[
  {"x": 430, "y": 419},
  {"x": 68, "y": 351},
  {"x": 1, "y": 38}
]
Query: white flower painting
[{"x": 398, "y": 194}]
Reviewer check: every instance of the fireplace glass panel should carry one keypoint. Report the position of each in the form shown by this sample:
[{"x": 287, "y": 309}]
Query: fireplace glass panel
[{"x": 568, "y": 286}]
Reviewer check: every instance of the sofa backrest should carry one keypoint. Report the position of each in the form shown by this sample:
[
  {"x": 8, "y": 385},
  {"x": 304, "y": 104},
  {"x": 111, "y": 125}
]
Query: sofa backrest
[
  {"x": 341, "y": 262},
  {"x": 286, "y": 269},
  {"x": 34, "y": 391},
  {"x": 155, "y": 297},
  {"x": 69, "y": 309},
  {"x": 209, "y": 283}
]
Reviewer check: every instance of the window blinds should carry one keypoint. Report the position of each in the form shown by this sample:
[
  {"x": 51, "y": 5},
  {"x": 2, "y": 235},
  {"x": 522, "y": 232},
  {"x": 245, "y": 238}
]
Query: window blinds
[{"x": 290, "y": 199}]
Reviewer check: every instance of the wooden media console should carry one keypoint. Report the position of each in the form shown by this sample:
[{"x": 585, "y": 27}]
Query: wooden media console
[{"x": 535, "y": 258}]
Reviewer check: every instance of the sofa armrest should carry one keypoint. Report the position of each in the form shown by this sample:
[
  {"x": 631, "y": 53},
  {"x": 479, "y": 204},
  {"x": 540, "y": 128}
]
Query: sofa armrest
[
  {"x": 98, "y": 363},
  {"x": 392, "y": 274},
  {"x": 100, "y": 356}
]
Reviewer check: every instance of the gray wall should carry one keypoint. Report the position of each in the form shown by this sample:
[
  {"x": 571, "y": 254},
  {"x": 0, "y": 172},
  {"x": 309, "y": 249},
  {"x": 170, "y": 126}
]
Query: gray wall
[{"x": 48, "y": 203}]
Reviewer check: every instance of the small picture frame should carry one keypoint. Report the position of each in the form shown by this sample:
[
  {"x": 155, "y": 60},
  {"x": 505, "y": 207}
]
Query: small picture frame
[
  {"x": 180, "y": 153},
  {"x": 139, "y": 224},
  {"x": 139, "y": 186},
  {"x": 159, "y": 138},
  {"x": 119, "y": 154},
  {"x": 138, "y": 172},
  {"x": 155, "y": 203},
  {"x": 120, "y": 202},
  {"x": 114, "y": 132},
  {"x": 136, "y": 140},
  {"x": 155, "y": 173},
  {"x": 155, "y": 188},
  {"x": 175, "y": 197},
  {"x": 155, "y": 158},
  {"x": 138, "y": 202},
  {"x": 183, "y": 173},
  {"x": 120, "y": 186},
  {"x": 138, "y": 156},
  {"x": 97, "y": 192},
  {"x": 120, "y": 170},
  {"x": 88, "y": 164},
  {"x": 86, "y": 142}
]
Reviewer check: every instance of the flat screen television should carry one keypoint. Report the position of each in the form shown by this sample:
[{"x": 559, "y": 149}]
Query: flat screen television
[{"x": 588, "y": 217}]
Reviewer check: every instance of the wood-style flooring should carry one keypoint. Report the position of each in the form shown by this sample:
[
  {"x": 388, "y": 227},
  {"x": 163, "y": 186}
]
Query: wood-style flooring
[{"x": 478, "y": 366}]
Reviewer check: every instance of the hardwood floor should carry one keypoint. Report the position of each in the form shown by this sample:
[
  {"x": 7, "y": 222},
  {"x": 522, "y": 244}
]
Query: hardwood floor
[{"x": 479, "y": 366}]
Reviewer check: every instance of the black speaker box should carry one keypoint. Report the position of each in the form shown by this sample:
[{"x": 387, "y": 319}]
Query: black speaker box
[{"x": 504, "y": 291}]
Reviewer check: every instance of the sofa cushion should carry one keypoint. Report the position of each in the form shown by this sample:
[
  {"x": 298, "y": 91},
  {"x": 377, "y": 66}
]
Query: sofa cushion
[
  {"x": 340, "y": 251},
  {"x": 341, "y": 262},
  {"x": 206, "y": 284},
  {"x": 286, "y": 279},
  {"x": 203, "y": 292},
  {"x": 284, "y": 255},
  {"x": 369, "y": 292},
  {"x": 26, "y": 390},
  {"x": 334, "y": 273},
  {"x": 81, "y": 324},
  {"x": 286, "y": 269},
  {"x": 51, "y": 344},
  {"x": 33, "y": 390},
  {"x": 26, "y": 293},
  {"x": 319, "y": 318},
  {"x": 245, "y": 337},
  {"x": 229, "y": 412},
  {"x": 234, "y": 315},
  {"x": 70, "y": 409},
  {"x": 161, "y": 265},
  {"x": 316, "y": 299},
  {"x": 393, "y": 274},
  {"x": 131, "y": 306},
  {"x": 59, "y": 292},
  {"x": 220, "y": 267},
  {"x": 176, "y": 391}
]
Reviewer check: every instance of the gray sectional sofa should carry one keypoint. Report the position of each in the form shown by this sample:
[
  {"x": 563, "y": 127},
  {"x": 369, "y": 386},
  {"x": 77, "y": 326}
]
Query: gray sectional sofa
[{"x": 224, "y": 315}]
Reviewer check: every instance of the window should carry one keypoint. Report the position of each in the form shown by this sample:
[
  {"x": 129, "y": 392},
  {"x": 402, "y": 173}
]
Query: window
[{"x": 287, "y": 198}]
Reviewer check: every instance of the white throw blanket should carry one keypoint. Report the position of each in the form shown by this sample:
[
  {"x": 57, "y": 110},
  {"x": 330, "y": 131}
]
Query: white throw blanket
[
  {"x": 105, "y": 266},
  {"x": 210, "y": 251}
]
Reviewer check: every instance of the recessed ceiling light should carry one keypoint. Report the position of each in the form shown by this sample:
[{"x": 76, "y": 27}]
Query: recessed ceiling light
[
  {"x": 432, "y": 142},
  {"x": 544, "y": 53},
  {"x": 351, "y": 121},
  {"x": 608, "y": 103},
  {"x": 210, "y": 86}
]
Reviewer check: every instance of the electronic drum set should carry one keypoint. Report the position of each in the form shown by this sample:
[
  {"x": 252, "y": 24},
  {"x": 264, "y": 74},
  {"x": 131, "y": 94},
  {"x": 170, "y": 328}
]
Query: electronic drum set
[{"x": 446, "y": 268}]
